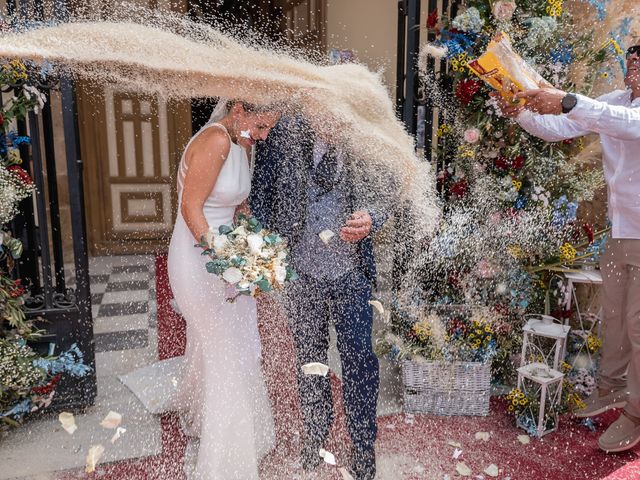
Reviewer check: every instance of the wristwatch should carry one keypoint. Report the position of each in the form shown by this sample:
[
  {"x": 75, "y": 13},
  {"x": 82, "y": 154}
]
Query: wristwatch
[{"x": 569, "y": 101}]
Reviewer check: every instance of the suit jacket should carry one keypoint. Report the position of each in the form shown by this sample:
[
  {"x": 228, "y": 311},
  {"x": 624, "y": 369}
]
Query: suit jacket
[{"x": 279, "y": 193}]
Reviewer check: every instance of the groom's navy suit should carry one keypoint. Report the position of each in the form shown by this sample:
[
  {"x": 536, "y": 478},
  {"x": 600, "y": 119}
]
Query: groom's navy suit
[{"x": 298, "y": 197}]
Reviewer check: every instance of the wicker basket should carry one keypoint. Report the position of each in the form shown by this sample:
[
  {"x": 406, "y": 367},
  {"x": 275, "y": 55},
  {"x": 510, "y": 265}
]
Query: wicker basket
[{"x": 446, "y": 388}]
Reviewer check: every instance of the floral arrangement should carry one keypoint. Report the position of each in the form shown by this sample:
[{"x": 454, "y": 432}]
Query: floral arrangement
[
  {"x": 441, "y": 333},
  {"x": 248, "y": 256},
  {"x": 525, "y": 407},
  {"x": 27, "y": 379},
  {"x": 512, "y": 201}
]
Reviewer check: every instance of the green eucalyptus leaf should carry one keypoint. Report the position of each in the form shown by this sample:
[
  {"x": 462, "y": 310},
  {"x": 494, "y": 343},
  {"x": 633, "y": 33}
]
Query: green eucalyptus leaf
[
  {"x": 225, "y": 229},
  {"x": 263, "y": 285},
  {"x": 217, "y": 266}
]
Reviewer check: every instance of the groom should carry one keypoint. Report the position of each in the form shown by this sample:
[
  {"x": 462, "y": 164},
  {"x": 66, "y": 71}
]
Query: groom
[{"x": 304, "y": 185}]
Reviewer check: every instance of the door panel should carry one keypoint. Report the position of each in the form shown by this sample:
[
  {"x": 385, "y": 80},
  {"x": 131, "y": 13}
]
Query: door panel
[{"x": 131, "y": 145}]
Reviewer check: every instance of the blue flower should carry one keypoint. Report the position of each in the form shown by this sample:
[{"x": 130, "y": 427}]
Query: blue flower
[
  {"x": 521, "y": 202},
  {"x": 601, "y": 8},
  {"x": 70, "y": 362},
  {"x": 563, "y": 54},
  {"x": 17, "y": 140},
  {"x": 565, "y": 211},
  {"x": 19, "y": 410}
]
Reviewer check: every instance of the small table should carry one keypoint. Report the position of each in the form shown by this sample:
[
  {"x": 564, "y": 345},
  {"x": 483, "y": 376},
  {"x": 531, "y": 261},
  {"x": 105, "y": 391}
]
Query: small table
[{"x": 593, "y": 278}]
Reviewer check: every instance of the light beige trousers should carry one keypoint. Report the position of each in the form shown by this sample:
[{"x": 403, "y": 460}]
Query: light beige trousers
[{"x": 620, "y": 267}]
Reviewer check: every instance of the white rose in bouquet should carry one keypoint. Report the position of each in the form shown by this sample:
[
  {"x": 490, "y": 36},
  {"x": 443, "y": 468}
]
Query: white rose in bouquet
[
  {"x": 240, "y": 231},
  {"x": 280, "y": 274},
  {"x": 232, "y": 275},
  {"x": 219, "y": 243},
  {"x": 255, "y": 243}
]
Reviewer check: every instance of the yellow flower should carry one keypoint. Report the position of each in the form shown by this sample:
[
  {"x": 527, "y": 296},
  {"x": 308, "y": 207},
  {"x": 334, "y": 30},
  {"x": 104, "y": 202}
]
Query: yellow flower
[
  {"x": 593, "y": 343},
  {"x": 554, "y": 9},
  {"x": 515, "y": 251},
  {"x": 465, "y": 151},
  {"x": 422, "y": 330},
  {"x": 510, "y": 408},
  {"x": 523, "y": 402},
  {"x": 517, "y": 184},
  {"x": 568, "y": 252},
  {"x": 443, "y": 130}
]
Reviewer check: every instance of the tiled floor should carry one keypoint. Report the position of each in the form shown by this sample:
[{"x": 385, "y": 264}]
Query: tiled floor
[
  {"x": 124, "y": 316},
  {"x": 123, "y": 301}
]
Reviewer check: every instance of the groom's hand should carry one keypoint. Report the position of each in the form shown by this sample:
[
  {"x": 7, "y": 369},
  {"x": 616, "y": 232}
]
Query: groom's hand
[{"x": 358, "y": 227}]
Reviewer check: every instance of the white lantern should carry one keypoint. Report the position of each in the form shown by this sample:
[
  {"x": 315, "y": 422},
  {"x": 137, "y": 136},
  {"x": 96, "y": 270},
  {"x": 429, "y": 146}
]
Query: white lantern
[
  {"x": 539, "y": 381},
  {"x": 539, "y": 331}
]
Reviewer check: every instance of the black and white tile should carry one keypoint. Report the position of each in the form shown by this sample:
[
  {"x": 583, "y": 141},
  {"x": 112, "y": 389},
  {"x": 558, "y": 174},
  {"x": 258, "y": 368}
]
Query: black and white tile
[{"x": 123, "y": 302}]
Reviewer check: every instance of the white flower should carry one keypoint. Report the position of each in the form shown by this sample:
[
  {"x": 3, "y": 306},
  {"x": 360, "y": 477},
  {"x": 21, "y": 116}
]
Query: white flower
[
  {"x": 472, "y": 135},
  {"x": 240, "y": 231},
  {"x": 503, "y": 9},
  {"x": 255, "y": 242},
  {"x": 469, "y": 21},
  {"x": 280, "y": 274},
  {"x": 232, "y": 275},
  {"x": 540, "y": 30},
  {"x": 219, "y": 242}
]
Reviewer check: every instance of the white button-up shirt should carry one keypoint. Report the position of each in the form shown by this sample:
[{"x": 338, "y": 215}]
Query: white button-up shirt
[{"x": 617, "y": 119}]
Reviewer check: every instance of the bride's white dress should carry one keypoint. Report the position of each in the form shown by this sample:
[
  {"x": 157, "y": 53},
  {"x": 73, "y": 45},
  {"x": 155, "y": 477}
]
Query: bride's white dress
[{"x": 218, "y": 386}]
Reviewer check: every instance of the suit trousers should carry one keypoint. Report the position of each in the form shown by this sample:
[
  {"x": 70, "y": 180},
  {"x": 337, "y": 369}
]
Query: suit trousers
[
  {"x": 311, "y": 304},
  {"x": 620, "y": 267}
]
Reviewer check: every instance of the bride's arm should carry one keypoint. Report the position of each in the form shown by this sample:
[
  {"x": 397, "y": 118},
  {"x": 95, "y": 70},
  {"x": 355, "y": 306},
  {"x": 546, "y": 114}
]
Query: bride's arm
[{"x": 205, "y": 156}]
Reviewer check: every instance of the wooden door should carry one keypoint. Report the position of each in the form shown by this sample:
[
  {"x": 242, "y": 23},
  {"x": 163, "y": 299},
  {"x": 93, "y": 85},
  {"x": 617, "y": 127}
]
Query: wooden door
[
  {"x": 306, "y": 23},
  {"x": 131, "y": 145}
]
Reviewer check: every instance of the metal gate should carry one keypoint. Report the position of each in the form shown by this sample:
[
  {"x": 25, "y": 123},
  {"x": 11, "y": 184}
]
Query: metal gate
[
  {"x": 60, "y": 299},
  {"x": 412, "y": 104}
]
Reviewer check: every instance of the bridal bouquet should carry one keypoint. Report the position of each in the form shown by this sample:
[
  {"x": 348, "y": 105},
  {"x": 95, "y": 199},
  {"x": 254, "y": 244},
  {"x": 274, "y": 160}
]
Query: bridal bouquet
[{"x": 246, "y": 255}]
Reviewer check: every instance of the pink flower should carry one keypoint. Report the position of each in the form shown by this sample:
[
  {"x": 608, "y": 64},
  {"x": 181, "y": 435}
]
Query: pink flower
[
  {"x": 472, "y": 135},
  {"x": 495, "y": 218},
  {"x": 484, "y": 269},
  {"x": 503, "y": 9}
]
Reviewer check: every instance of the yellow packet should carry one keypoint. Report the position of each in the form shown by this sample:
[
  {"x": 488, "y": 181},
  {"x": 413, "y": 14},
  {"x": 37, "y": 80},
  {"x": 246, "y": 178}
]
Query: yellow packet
[{"x": 504, "y": 70}]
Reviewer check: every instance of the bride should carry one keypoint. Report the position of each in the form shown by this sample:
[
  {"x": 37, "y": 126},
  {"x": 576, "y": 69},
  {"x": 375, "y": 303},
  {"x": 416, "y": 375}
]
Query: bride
[{"x": 219, "y": 388}]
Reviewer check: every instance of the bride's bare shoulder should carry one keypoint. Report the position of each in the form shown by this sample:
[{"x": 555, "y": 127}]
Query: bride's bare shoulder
[{"x": 213, "y": 138}]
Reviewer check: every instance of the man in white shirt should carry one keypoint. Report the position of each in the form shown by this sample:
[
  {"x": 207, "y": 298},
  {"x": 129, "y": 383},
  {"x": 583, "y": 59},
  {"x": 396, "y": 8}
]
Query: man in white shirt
[{"x": 554, "y": 115}]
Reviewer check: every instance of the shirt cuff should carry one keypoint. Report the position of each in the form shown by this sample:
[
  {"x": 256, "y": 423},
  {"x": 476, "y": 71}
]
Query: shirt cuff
[{"x": 586, "y": 109}]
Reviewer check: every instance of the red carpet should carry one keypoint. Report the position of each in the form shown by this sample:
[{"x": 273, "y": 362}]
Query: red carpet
[{"x": 408, "y": 449}]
